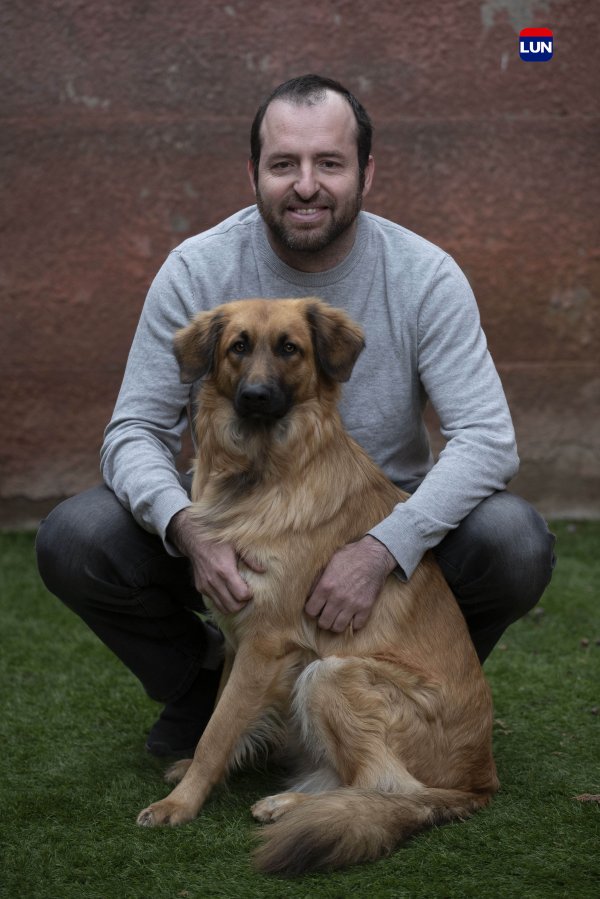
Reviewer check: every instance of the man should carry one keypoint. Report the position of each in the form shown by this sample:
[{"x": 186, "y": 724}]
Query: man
[{"x": 120, "y": 554}]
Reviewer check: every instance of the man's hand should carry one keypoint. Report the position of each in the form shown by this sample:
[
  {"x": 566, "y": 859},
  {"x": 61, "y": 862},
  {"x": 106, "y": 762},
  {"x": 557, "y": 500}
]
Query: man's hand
[
  {"x": 350, "y": 584},
  {"x": 215, "y": 565}
]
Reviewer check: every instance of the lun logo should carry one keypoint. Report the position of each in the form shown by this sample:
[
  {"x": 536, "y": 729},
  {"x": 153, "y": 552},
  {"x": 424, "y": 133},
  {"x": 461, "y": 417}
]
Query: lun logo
[{"x": 535, "y": 44}]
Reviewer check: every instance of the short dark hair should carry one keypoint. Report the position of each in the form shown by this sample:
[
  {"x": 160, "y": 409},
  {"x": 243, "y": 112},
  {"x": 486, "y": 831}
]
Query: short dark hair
[{"x": 311, "y": 89}]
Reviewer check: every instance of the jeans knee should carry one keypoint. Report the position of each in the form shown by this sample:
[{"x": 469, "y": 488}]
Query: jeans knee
[
  {"x": 74, "y": 542},
  {"x": 520, "y": 548},
  {"x": 502, "y": 554},
  {"x": 56, "y": 547}
]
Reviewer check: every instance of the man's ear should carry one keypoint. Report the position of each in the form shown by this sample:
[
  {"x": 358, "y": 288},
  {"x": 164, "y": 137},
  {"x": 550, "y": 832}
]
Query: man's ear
[
  {"x": 251, "y": 176},
  {"x": 337, "y": 340},
  {"x": 196, "y": 345},
  {"x": 368, "y": 175}
]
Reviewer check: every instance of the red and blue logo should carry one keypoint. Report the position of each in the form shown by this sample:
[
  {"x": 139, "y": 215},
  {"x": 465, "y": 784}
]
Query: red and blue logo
[{"x": 535, "y": 44}]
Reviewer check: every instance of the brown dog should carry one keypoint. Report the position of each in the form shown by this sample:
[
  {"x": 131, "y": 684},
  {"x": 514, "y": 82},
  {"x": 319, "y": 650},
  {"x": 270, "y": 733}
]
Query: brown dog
[{"x": 392, "y": 723}]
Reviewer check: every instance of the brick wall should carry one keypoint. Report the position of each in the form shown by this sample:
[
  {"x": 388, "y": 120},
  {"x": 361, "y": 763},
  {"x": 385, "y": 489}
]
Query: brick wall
[{"x": 124, "y": 130}]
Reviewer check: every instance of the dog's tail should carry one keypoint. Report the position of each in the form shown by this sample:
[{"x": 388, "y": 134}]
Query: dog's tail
[{"x": 347, "y": 826}]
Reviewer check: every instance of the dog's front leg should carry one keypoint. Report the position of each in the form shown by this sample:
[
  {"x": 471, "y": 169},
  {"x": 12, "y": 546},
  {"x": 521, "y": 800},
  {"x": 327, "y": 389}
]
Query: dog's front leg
[
  {"x": 243, "y": 700},
  {"x": 226, "y": 673}
]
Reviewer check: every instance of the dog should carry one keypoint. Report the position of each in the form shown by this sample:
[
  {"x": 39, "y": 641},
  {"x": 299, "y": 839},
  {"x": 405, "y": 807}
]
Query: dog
[{"x": 392, "y": 722}]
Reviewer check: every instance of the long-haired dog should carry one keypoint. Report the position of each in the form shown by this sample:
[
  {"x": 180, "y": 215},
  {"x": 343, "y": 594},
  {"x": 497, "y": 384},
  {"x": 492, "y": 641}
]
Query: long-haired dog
[{"x": 391, "y": 723}]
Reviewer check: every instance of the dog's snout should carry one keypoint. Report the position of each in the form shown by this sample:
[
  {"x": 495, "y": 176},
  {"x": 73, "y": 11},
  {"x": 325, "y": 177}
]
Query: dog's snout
[
  {"x": 262, "y": 400},
  {"x": 256, "y": 395}
]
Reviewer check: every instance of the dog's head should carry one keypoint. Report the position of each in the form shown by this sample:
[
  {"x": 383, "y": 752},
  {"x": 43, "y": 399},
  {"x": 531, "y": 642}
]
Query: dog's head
[{"x": 266, "y": 355}]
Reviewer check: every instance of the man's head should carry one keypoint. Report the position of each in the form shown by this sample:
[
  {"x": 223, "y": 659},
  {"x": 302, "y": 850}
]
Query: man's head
[
  {"x": 310, "y": 168},
  {"x": 309, "y": 90}
]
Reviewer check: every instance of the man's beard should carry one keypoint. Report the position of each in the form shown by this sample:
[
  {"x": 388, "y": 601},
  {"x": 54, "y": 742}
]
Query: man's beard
[{"x": 309, "y": 239}]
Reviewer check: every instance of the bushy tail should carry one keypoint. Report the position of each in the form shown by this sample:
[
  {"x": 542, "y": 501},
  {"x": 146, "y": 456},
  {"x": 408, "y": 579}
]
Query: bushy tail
[{"x": 347, "y": 826}]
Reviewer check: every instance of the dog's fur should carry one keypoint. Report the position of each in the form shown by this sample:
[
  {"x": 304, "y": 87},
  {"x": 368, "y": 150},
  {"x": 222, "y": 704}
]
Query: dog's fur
[{"x": 392, "y": 722}]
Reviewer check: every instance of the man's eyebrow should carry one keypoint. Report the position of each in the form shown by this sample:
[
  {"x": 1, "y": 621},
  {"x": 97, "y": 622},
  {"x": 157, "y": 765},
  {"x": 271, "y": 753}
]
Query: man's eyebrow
[
  {"x": 331, "y": 154},
  {"x": 290, "y": 154}
]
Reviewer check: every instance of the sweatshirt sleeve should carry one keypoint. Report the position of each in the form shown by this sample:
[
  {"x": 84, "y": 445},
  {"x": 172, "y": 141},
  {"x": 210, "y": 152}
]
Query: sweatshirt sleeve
[
  {"x": 461, "y": 381},
  {"x": 143, "y": 437}
]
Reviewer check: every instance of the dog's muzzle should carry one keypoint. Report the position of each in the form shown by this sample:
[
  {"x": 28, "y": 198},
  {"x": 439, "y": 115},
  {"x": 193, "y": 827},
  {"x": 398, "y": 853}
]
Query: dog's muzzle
[{"x": 261, "y": 401}]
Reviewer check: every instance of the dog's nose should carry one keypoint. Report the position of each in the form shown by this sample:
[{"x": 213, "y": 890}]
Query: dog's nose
[
  {"x": 256, "y": 397},
  {"x": 261, "y": 401}
]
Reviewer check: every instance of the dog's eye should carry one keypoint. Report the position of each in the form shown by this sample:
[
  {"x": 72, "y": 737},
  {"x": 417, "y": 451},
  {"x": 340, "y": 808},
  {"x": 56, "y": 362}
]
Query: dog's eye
[
  {"x": 289, "y": 348},
  {"x": 239, "y": 347}
]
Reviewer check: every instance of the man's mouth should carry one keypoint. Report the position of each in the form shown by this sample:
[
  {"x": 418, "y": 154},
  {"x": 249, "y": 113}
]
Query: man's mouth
[{"x": 307, "y": 213}]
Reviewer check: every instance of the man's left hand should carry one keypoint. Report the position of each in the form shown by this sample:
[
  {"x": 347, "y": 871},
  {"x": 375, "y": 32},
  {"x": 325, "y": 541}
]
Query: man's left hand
[{"x": 350, "y": 584}]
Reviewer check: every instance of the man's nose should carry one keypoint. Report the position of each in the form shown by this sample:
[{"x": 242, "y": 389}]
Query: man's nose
[{"x": 306, "y": 185}]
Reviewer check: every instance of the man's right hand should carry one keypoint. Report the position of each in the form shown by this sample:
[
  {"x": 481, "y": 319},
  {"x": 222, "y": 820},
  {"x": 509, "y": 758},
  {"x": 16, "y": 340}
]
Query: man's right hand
[{"x": 215, "y": 565}]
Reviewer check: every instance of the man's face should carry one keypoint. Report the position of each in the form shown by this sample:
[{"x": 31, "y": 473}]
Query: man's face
[{"x": 308, "y": 188}]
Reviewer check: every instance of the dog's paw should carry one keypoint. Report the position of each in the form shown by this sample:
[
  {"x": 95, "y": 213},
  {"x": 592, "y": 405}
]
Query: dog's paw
[
  {"x": 177, "y": 771},
  {"x": 273, "y": 807},
  {"x": 165, "y": 812}
]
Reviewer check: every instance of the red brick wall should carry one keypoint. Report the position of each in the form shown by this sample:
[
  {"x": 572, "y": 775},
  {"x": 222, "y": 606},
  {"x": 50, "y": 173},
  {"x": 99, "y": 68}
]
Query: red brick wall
[{"x": 124, "y": 129}]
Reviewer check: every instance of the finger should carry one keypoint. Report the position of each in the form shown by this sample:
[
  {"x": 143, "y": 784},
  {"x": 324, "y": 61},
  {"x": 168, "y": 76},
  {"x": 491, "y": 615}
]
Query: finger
[
  {"x": 228, "y": 581},
  {"x": 228, "y": 591},
  {"x": 253, "y": 564},
  {"x": 329, "y": 615},
  {"x": 226, "y": 603},
  {"x": 238, "y": 588},
  {"x": 360, "y": 619},
  {"x": 314, "y": 605},
  {"x": 341, "y": 622}
]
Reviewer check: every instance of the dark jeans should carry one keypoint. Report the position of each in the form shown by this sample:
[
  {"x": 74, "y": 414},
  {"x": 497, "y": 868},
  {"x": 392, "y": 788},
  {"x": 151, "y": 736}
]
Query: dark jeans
[{"x": 141, "y": 602}]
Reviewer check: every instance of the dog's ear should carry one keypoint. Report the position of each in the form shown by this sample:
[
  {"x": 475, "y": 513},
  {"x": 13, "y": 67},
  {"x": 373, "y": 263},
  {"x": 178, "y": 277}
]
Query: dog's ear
[
  {"x": 337, "y": 340},
  {"x": 196, "y": 345}
]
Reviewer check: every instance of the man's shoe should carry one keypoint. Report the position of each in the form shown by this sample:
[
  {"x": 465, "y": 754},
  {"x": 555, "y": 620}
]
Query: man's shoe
[{"x": 182, "y": 722}]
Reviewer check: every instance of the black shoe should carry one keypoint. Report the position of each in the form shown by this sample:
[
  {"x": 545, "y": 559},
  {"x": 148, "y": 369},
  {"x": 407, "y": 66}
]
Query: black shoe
[{"x": 181, "y": 723}]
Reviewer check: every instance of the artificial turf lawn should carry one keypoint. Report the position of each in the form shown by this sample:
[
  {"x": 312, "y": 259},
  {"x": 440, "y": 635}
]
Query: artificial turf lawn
[{"x": 75, "y": 774}]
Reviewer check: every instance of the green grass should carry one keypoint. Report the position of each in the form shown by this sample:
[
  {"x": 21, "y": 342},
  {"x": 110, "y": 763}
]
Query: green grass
[{"x": 74, "y": 772}]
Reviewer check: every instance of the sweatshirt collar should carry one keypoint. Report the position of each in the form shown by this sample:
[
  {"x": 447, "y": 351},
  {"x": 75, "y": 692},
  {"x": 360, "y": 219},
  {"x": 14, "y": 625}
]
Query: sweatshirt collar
[{"x": 310, "y": 280}]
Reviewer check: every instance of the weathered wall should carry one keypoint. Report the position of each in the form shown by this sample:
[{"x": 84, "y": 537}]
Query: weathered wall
[{"x": 124, "y": 129}]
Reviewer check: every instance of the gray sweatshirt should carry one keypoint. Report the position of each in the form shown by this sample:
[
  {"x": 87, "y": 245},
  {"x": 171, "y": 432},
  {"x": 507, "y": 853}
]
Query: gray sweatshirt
[{"x": 423, "y": 341}]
